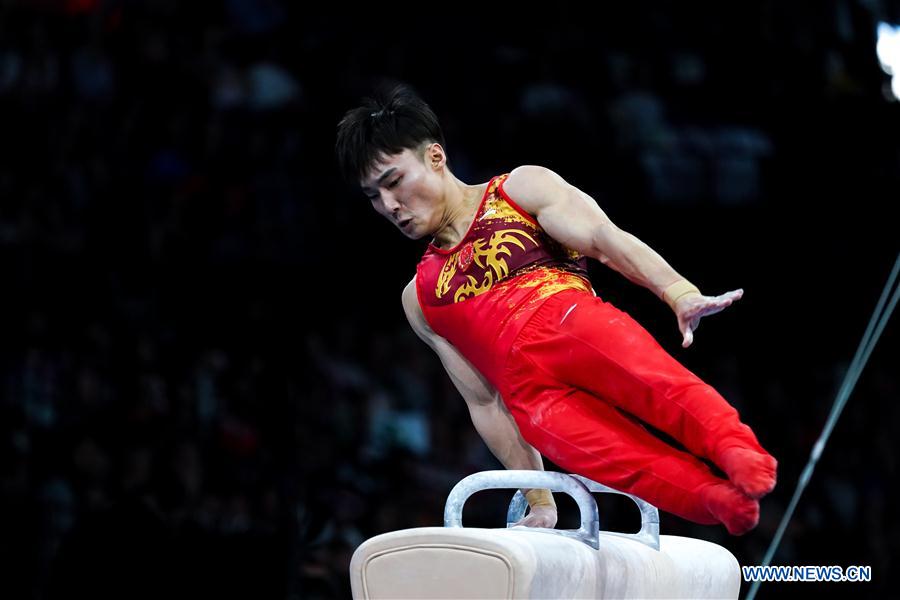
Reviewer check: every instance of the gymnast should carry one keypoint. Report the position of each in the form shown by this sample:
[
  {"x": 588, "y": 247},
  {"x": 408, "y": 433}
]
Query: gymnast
[{"x": 545, "y": 365}]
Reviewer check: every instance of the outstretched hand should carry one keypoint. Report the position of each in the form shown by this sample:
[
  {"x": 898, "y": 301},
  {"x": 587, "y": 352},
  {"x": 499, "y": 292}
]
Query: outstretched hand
[
  {"x": 693, "y": 307},
  {"x": 539, "y": 516}
]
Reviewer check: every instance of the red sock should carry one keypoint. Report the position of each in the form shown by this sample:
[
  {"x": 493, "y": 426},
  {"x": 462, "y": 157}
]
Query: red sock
[
  {"x": 734, "y": 509},
  {"x": 751, "y": 472}
]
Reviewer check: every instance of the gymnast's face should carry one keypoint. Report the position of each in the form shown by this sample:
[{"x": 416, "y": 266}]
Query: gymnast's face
[{"x": 406, "y": 189}]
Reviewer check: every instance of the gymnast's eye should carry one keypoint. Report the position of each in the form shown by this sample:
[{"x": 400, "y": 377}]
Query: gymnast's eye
[{"x": 395, "y": 182}]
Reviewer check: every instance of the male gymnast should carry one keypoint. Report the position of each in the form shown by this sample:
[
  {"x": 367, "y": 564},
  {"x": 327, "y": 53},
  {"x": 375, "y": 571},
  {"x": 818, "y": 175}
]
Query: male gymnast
[{"x": 545, "y": 365}]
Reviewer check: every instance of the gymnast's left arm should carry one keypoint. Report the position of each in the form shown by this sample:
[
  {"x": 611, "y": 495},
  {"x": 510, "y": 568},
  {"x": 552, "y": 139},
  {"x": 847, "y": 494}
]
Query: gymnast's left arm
[{"x": 574, "y": 219}]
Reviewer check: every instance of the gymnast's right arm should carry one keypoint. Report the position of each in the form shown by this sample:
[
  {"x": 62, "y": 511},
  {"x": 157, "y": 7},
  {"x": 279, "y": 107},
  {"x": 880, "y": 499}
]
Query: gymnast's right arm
[{"x": 489, "y": 414}]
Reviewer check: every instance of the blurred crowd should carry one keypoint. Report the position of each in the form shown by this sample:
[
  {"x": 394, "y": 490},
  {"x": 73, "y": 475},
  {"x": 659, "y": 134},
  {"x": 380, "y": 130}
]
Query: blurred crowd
[{"x": 207, "y": 385}]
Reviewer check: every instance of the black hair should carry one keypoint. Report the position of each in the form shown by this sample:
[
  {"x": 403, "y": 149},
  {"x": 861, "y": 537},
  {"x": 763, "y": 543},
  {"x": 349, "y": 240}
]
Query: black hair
[{"x": 390, "y": 121}]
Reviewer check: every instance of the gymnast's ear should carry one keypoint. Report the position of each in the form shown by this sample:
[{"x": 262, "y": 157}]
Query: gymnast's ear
[{"x": 434, "y": 156}]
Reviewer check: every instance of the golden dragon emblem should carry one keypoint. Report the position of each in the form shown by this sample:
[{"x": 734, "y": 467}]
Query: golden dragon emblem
[{"x": 489, "y": 256}]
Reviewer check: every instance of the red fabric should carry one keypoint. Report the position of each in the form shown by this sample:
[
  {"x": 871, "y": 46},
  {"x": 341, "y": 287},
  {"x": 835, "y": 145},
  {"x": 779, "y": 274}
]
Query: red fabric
[
  {"x": 577, "y": 378},
  {"x": 480, "y": 293}
]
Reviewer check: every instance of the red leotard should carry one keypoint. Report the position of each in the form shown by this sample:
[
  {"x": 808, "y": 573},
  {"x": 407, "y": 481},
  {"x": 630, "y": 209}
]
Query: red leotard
[{"x": 575, "y": 371}]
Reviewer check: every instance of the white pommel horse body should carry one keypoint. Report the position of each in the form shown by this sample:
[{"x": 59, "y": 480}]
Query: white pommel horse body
[{"x": 525, "y": 562}]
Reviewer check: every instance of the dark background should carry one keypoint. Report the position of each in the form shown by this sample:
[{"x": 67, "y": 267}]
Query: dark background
[{"x": 208, "y": 385}]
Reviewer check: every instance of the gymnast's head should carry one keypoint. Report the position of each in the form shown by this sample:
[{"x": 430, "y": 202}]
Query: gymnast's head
[{"x": 392, "y": 147}]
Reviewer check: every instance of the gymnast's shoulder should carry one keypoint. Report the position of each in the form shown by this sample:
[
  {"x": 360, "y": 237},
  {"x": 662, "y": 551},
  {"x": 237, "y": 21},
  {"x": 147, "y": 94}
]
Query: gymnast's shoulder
[{"x": 534, "y": 187}]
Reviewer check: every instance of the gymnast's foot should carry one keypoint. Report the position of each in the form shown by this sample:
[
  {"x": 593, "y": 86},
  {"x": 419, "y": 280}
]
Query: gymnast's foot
[
  {"x": 751, "y": 472},
  {"x": 734, "y": 509}
]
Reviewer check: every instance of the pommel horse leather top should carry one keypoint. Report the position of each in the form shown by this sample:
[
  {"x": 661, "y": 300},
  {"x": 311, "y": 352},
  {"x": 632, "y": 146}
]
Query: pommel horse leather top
[{"x": 521, "y": 562}]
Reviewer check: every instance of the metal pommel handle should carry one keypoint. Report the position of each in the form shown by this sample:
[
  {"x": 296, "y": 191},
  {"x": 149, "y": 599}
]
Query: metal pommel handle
[
  {"x": 648, "y": 535},
  {"x": 589, "y": 532}
]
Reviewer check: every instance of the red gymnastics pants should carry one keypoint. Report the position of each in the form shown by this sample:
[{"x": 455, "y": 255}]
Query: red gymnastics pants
[{"x": 580, "y": 375}]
